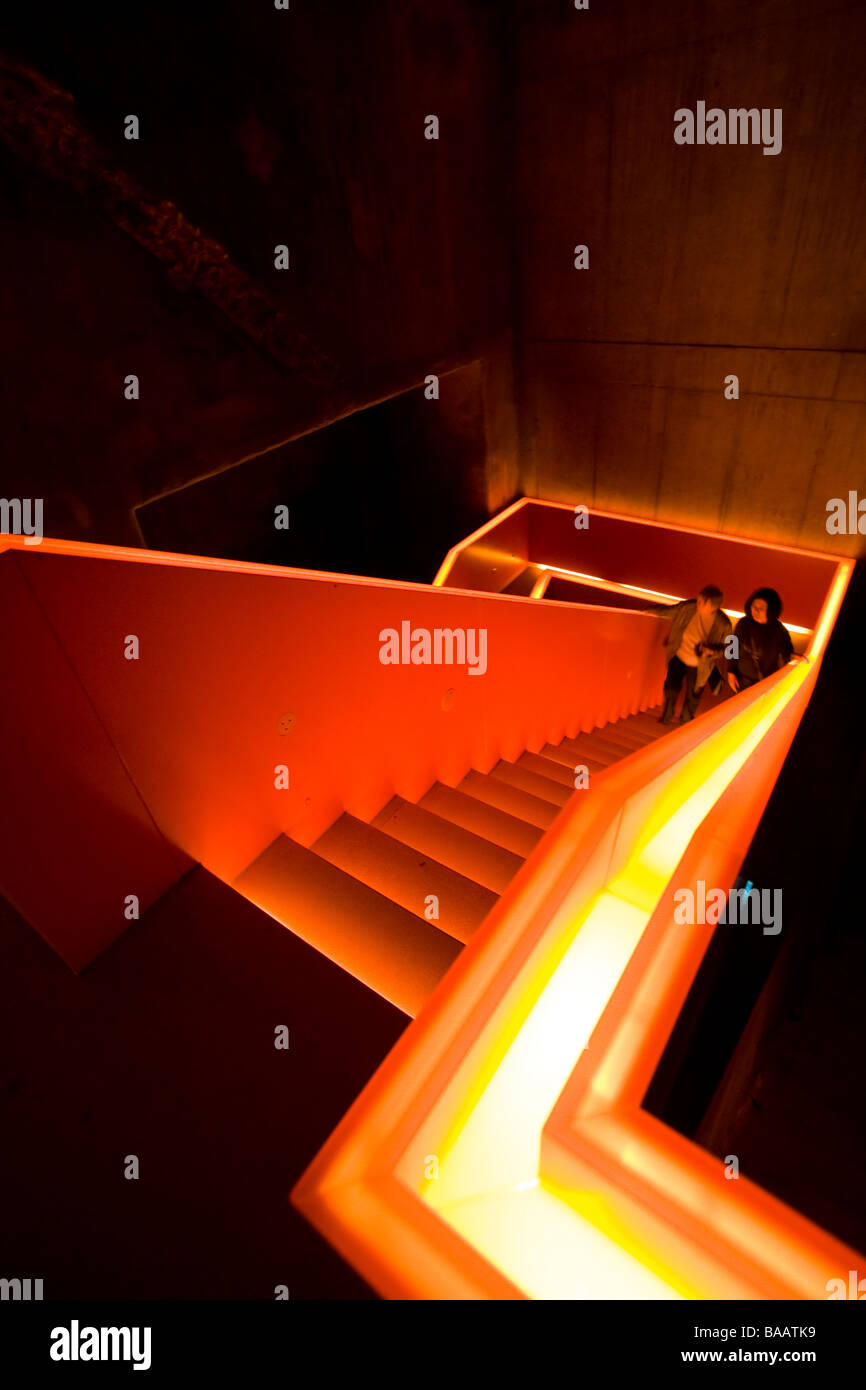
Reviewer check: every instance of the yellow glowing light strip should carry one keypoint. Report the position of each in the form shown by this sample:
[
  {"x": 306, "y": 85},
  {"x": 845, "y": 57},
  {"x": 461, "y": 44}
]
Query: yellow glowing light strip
[
  {"x": 92, "y": 550},
  {"x": 488, "y": 1187},
  {"x": 456, "y": 551},
  {"x": 827, "y": 616},
  {"x": 634, "y": 590},
  {"x": 598, "y": 583},
  {"x": 498, "y": 1227}
]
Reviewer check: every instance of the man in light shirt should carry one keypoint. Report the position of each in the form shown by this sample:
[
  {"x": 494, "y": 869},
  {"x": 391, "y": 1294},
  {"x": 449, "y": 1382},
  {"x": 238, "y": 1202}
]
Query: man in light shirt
[{"x": 695, "y": 642}]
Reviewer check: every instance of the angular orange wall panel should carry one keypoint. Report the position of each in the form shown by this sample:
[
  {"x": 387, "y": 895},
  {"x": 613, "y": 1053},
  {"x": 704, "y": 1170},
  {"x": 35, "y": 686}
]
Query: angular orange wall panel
[{"x": 77, "y": 837}]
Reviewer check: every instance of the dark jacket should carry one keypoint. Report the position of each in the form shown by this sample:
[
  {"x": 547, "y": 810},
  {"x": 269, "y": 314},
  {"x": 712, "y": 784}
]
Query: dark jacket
[
  {"x": 681, "y": 615},
  {"x": 763, "y": 649}
]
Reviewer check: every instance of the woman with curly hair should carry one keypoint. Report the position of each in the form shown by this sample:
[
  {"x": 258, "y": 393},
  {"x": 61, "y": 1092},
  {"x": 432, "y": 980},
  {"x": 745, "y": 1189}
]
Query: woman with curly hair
[{"x": 764, "y": 643}]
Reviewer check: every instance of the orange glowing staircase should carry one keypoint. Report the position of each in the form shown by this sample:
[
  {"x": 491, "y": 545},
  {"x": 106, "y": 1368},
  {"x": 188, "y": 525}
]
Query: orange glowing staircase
[
  {"x": 195, "y": 712},
  {"x": 502, "y": 1150},
  {"x": 362, "y": 892}
]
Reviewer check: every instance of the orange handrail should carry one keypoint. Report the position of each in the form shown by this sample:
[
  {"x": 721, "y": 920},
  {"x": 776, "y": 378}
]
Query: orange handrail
[{"x": 608, "y": 862}]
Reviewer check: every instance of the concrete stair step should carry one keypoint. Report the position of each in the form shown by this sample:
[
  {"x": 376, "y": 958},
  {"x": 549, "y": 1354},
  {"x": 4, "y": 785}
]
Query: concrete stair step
[
  {"x": 567, "y": 757},
  {"x": 396, "y": 953},
  {"x": 532, "y": 782},
  {"x": 406, "y": 875},
  {"x": 485, "y": 817},
  {"x": 469, "y": 853},
  {"x": 586, "y": 747},
  {"x": 554, "y": 769}
]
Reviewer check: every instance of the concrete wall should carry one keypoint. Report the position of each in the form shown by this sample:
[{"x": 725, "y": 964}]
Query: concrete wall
[
  {"x": 703, "y": 262},
  {"x": 261, "y": 127},
  {"x": 409, "y": 256}
]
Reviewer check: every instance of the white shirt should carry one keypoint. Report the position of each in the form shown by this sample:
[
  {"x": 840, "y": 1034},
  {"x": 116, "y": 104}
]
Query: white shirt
[{"x": 694, "y": 633}]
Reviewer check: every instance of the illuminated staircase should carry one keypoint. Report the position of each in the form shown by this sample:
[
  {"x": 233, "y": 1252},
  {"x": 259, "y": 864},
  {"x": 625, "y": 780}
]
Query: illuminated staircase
[
  {"x": 410, "y": 809},
  {"x": 394, "y": 900}
]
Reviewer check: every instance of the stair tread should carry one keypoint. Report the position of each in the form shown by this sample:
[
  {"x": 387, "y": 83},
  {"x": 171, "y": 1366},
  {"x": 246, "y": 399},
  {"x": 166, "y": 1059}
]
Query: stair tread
[
  {"x": 542, "y": 787},
  {"x": 618, "y": 733},
  {"x": 406, "y": 875},
  {"x": 555, "y": 769},
  {"x": 359, "y": 895},
  {"x": 589, "y": 747},
  {"x": 569, "y": 757},
  {"x": 487, "y": 818},
  {"x": 598, "y": 741},
  {"x": 495, "y": 792},
  {"x": 399, "y": 955},
  {"x": 470, "y": 853},
  {"x": 647, "y": 719}
]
